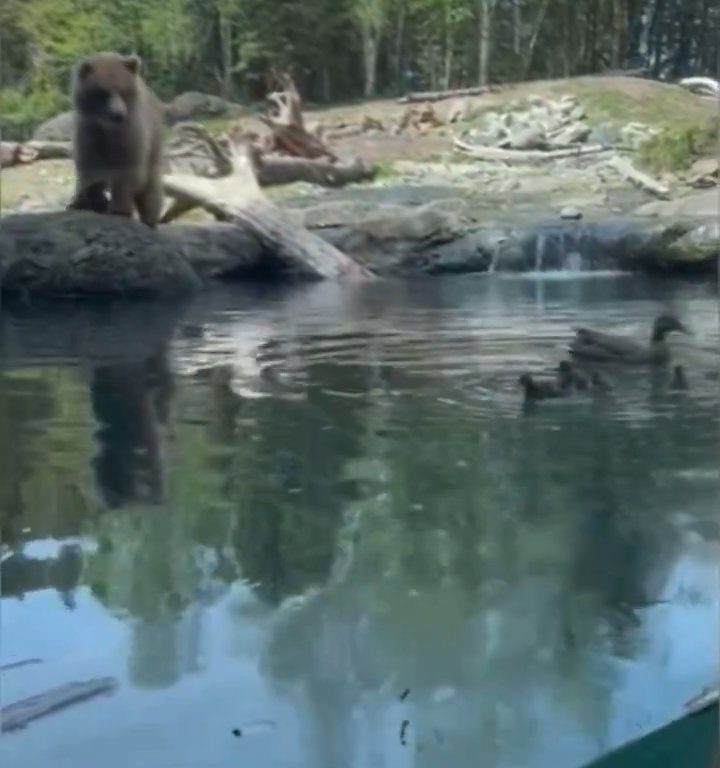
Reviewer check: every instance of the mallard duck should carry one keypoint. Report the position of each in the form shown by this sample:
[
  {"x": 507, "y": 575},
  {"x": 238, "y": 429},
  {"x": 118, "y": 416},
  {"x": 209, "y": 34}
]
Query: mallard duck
[
  {"x": 541, "y": 389},
  {"x": 568, "y": 377},
  {"x": 679, "y": 379},
  {"x": 604, "y": 347}
]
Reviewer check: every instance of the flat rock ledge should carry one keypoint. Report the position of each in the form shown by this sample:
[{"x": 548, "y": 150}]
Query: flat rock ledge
[{"x": 70, "y": 254}]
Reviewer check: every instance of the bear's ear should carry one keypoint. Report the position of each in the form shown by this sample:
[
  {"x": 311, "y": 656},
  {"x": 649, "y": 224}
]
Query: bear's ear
[
  {"x": 133, "y": 63},
  {"x": 84, "y": 68}
]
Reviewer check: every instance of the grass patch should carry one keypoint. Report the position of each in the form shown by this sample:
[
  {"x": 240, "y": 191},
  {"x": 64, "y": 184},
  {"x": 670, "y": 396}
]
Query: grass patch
[{"x": 675, "y": 149}]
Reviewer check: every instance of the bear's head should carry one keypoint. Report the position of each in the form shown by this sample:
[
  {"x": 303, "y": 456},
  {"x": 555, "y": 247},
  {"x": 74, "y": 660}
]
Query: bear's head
[{"x": 105, "y": 88}]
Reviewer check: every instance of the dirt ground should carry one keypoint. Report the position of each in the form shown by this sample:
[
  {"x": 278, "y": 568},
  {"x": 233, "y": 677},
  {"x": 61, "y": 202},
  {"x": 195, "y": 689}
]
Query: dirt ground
[{"x": 49, "y": 183}]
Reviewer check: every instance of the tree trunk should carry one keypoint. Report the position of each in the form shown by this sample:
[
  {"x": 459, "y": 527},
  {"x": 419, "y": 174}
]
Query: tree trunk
[
  {"x": 398, "y": 58},
  {"x": 226, "y": 56},
  {"x": 370, "y": 54},
  {"x": 517, "y": 27},
  {"x": 448, "y": 59},
  {"x": 530, "y": 48},
  {"x": 485, "y": 11}
]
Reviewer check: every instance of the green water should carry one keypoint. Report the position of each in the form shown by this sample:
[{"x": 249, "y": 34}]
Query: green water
[{"x": 279, "y": 511}]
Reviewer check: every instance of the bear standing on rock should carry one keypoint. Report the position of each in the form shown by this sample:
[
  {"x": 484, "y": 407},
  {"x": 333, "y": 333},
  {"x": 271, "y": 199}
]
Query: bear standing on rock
[{"x": 118, "y": 139}]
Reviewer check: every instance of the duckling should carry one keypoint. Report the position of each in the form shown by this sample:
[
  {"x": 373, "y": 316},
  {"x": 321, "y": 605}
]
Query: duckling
[
  {"x": 540, "y": 389},
  {"x": 603, "y": 347},
  {"x": 569, "y": 377},
  {"x": 679, "y": 379}
]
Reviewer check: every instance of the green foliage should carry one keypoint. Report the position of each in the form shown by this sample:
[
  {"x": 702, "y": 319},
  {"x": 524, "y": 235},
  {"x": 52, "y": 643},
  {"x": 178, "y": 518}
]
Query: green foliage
[
  {"x": 675, "y": 149},
  {"x": 21, "y": 112}
]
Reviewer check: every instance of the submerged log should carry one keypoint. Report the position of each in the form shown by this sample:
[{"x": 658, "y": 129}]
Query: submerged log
[{"x": 21, "y": 713}]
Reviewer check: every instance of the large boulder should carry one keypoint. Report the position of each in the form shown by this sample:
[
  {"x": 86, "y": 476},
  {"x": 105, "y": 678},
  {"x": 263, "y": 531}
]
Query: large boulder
[
  {"x": 81, "y": 254},
  {"x": 194, "y": 105},
  {"x": 58, "y": 128}
]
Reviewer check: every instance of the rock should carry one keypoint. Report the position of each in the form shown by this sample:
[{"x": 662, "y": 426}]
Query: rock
[
  {"x": 606, "y": 134},
  {"x": 574, "y": 134},
  {"x": 535, "y": 100},
  {"x": 570, "y": 212},
  {"x": 577, "y": 113},
  {"x": 704, "y": 172},
  {"x": 527, "y": 138},
  {"x": 192, "y": 105},
  {"x": 461, "y": 110},
  {"x": 58, "y": 128},
  {"x": 696, "y": 205},
  {"x": 698, "y": 246},
  {"x": 70, "y": 254}
]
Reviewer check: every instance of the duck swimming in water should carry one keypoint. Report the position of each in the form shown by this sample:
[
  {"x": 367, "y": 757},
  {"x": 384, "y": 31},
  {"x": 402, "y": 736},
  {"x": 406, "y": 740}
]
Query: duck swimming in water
[
  {"x": 541, "y": 389},
  {"x": 605, "y": 347},
  {"x": 569, "y": 378}
]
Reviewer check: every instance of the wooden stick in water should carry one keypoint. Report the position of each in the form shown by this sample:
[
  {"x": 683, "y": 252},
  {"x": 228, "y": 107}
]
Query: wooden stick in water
[{"x": 21, "y": 713}]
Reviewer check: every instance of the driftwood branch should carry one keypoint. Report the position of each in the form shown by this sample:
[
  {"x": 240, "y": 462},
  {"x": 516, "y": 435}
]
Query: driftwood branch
[
  {"x": 707, "y": 86},
  {"x": 628, "y": 171},
  {"x": 289, "y": 135},
  {"x": 419, "y": 96},
  {"x": 21, "y": 713},
  {"x": 237, "y": 198},
  {"x": 15, "y": 153},
  {"x": 496, "y": 154}
]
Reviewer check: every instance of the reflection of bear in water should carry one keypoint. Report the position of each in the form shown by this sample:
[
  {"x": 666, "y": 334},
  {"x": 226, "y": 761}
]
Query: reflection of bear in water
[{"x": 129, "y": 400}]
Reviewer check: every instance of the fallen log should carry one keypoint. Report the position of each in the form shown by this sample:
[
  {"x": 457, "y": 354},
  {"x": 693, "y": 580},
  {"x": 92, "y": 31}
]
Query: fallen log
[
  {"x": 496, "y": 154},
  {"x": 628, "y": 171},
  {"x": 14, "y": 153},
  {"x": 21, "y": 713},
  {"x": 703, "y": 85},
  {"x": 273, "y": 171},
  {"x": 418, "y": 96},
  {"x": 237, "y": 198}
]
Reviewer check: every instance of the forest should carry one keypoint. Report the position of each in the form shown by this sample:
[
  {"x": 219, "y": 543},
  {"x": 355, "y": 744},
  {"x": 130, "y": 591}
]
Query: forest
[{"x": 340, "y": 50}]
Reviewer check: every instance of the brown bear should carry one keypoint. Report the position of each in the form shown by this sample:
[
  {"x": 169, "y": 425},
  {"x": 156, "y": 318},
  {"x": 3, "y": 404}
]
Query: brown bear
[{"x": 118, "y": 138}]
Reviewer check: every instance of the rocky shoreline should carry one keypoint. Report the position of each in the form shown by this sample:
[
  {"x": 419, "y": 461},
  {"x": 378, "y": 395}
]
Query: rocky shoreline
[{"x": 74, "y": 254}]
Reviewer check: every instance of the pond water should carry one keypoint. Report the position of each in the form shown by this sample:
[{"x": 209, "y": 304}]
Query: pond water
[{"x": 316, "y": 527}]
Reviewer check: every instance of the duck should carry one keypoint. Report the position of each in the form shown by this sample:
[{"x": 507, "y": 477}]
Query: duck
[
  {"x": 604, "y": 347},
  {"x": 568, "y": 377},
  {"x": 541, "y": 389},
  {"x": 679, "y": 379}
]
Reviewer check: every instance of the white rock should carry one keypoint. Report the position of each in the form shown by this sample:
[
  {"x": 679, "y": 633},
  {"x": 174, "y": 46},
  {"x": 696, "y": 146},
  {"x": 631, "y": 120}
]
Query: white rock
[{"x": 570, "y": 212}]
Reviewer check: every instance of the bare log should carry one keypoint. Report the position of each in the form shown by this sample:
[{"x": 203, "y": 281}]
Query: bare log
[
  {"x": 14, "y": 153},
  {"x": 628, "y": 171},
  {"x": 496, "y": 154},
  {"x": 419, "y": 96},
  {"x": 21, "y": 713},
  {"x": 287, "y": 170},
  {"x": 706, "y": 86},
  {"x": 237, "y": 198}
]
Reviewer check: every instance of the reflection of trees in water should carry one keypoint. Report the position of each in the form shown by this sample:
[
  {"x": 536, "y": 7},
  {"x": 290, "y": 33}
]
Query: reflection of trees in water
[
  {"x": 20, "y": 574},
  {"x": 131, "y": 400},
  {"x": 501, "y": 556},
  {"x": 25, "y": 405}
]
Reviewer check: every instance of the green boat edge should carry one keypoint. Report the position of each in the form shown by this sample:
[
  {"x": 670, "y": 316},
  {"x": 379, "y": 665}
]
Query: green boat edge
[{"x": 692, "y": 741}]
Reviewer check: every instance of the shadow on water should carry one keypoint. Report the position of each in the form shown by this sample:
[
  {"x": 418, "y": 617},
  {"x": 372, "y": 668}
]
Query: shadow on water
[{"x": 298, "y": 504}]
